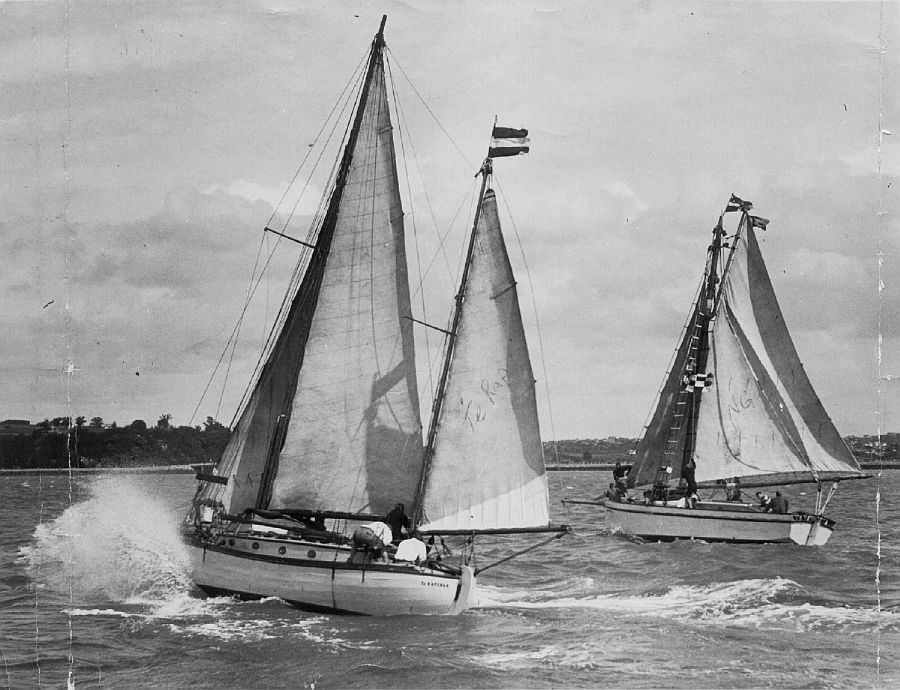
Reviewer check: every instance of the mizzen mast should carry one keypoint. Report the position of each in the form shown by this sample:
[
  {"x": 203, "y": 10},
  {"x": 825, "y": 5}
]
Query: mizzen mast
[{"x": 485, "y": 172}]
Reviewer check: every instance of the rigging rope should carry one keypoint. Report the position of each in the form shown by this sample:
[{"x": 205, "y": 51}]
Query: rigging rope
[
  {"x": 522, "y": 552},
  {"x": 415, "y": 91},
  {"x": 540, "y": 341},
  {"x": 256, "y": 278},
  {"x": 401, "y": 118}
]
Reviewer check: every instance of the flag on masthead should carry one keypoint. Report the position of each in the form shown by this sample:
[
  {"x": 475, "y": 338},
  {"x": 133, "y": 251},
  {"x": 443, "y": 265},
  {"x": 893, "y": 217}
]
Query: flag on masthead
[{"x": 506, "y": 141}]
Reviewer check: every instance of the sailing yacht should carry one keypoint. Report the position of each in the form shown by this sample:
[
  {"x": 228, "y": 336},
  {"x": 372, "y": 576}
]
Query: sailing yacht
[
  {"x": 330, "y": 436},
  {"x": 736, "y": 412}
]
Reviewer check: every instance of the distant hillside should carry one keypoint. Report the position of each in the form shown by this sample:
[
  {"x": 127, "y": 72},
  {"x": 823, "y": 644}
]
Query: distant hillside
[
  {"x": 588, "y": 450},
  {"x": 594, "y": 450},
  {"x": 130, "y": 446}
]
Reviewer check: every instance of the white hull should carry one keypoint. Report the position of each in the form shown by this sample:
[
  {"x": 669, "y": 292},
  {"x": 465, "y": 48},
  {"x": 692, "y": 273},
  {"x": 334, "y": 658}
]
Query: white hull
[
  {"x": 319, "y": 577},
  {"x": 717, "y": 521}
]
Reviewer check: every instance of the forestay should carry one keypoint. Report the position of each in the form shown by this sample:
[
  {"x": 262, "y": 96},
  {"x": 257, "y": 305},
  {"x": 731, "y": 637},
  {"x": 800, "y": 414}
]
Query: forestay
[{"x": 486, "y": 469}]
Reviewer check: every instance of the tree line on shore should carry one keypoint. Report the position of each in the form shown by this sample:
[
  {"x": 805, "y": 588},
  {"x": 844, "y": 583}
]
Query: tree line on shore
[{"x": 62, "y": 442}]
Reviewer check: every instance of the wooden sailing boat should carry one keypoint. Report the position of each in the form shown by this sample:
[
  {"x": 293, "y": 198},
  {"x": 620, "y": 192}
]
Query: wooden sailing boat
[
  {"x": 736, "y": 411},
  {"x": 332, "y": 431}
]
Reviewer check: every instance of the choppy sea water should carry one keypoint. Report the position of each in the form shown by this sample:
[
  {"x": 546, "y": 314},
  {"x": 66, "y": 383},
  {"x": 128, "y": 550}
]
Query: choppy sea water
[{"x": 93, "y": 593}]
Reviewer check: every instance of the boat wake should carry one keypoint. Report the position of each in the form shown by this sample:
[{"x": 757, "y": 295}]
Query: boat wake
[
  {"x": 120, "y": 545},
  {"x": 771, "y": 602}
]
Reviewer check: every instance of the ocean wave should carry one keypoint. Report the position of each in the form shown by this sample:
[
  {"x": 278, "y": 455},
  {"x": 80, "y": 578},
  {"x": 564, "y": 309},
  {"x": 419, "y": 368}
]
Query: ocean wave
[
  {"x": 121, "y": 545},
  {"x": 753, "y": 603}
]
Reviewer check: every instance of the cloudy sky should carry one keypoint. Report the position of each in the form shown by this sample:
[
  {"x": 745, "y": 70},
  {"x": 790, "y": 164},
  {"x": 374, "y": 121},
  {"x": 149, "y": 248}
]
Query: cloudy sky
[{"x": 144, "y": 145}]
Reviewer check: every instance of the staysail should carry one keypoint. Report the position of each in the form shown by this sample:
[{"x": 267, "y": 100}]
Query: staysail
[
  {"x": 752, "y": 411},
  {"x": 333, "y": 421},
  {"x": 486, "y": 468}
]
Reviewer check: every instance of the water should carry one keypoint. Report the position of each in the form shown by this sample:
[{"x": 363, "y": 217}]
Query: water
[{"x": 93, "y": 593}]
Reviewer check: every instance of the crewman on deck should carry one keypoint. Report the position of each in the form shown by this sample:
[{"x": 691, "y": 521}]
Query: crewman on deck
[
  {"x": 398, "y": 521},
  {"x": 765, "y": 503},
  {"x": 411, "y": 549},
  {"x": 779, "y": 504},
  {"x": 372, "y": 537}
]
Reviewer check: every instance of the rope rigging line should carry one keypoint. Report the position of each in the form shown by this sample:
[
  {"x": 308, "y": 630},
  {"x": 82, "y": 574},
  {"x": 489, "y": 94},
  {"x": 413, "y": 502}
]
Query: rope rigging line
[
  {"x": 403, "y": 126},
  {"x": 401, "y": 117},
  {"x": 670, "y": 366},
  {"x": 478, "y": 571},
  {"x": 299, "y": 269},
  {"x": 537, "y": 323},
  {"x": 415, "y": 91},
  {"x": 353, "y": 78}
]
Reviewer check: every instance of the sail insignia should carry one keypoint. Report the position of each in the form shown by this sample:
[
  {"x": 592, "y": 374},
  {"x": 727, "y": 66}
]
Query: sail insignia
[{"x": 486, "y": 468}]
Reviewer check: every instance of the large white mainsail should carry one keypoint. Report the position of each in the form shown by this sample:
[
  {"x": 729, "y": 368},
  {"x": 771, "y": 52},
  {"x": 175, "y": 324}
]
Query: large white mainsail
[
  {"x": 354, "y": 440},
  {"x": 333, "y": 422},
  {"x": 761, "y": 415},
  {"x": 486, "y": 470}
]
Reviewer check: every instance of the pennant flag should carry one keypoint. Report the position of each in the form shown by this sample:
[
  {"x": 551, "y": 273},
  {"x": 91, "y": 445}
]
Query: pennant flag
[
  {"x": 737, "y": 204},
  {"x": 506, "y": 141},
  {"x": 758, "y": 222}
]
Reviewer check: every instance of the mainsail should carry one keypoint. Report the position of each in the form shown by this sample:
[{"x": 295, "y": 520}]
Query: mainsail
[
  {"x": 333, "y": 422},
  {"x": 486, "y": 468},
  {"x": 754, "y": 416}
]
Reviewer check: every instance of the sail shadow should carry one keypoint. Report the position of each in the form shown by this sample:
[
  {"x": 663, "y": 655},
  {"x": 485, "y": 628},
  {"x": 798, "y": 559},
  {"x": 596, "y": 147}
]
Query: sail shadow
[{"x": 393, "y": 457}]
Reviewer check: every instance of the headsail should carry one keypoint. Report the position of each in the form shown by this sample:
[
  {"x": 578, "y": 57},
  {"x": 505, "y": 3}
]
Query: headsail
[
  {"x": 486, "y": 469},
  {"x": 333, "y": 422},
  {"x": 752, "y": 411},
  {"x": 761, "y": 420}
]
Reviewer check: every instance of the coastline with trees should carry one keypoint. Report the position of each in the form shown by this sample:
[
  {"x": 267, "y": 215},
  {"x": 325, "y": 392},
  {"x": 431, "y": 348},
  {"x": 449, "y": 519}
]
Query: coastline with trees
[
  {"x": 77, "y": 443},
  {"x": 64, "y": 442}
]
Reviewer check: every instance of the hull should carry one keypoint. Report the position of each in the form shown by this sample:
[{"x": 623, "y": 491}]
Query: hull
[
  {"x": 717, "y": 521},
  {"x": 319, "y": 577}
]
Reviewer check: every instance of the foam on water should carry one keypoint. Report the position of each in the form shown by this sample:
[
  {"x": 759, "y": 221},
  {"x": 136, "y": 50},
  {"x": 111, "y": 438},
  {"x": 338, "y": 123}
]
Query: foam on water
[
  {"x": 120, "y": 545},
  {"x": 244, "y": 626},
  {"x": 755, "y": 602}
]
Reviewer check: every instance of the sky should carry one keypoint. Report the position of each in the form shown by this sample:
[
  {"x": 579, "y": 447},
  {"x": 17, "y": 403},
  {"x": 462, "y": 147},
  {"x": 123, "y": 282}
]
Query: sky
[{"x": 145, "y": 145}]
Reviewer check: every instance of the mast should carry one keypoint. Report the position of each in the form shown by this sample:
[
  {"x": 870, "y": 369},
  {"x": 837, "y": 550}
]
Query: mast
[
  {"x": 485, "y": 172},
  {"x": 706, "y": 309},
  {"x": 307, "y": 295}
]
